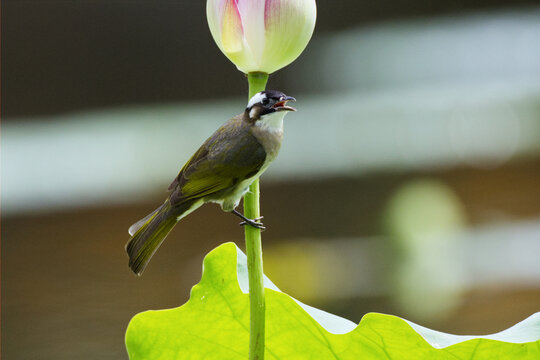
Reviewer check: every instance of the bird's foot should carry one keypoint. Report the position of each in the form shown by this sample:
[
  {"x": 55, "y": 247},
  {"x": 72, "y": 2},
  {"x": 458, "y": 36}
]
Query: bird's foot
[
  {"x": 254, "y": 223},
  {"x": 251, "y": 222}
]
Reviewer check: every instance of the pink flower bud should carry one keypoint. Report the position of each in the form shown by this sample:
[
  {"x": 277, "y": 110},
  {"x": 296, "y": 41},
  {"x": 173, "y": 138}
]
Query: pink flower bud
[{"x": 261, "y": 35}]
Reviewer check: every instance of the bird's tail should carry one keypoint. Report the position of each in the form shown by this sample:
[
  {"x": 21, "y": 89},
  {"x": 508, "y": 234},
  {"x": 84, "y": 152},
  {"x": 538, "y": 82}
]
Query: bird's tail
[{"x": 148, "y": 234}]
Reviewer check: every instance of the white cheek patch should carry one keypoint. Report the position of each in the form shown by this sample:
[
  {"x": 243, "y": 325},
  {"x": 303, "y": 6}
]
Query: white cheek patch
[
  {"x": 252, "y": 113},
  {"x": 257, "y": 98}
]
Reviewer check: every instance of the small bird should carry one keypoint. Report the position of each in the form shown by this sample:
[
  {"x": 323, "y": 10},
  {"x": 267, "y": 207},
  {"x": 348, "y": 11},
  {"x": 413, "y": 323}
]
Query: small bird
[{"x": 221, "y": 172}]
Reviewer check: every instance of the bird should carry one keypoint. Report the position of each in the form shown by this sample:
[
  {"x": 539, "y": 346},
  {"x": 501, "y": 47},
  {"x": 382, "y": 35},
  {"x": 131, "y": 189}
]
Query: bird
[{"x": 220, "y": 171}]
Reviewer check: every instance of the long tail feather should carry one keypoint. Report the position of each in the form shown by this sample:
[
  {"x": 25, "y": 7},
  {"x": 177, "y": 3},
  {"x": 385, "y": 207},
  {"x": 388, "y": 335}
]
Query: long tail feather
[{"x": 149, "y": 233}]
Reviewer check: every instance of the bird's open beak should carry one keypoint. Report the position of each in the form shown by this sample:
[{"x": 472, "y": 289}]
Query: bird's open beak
[{"x": 282, "y": 104}]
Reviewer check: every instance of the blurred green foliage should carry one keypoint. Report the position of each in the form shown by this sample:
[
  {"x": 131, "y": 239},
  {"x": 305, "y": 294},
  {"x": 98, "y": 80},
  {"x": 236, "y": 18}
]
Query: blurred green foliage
[{"x": 424, "y": 221}]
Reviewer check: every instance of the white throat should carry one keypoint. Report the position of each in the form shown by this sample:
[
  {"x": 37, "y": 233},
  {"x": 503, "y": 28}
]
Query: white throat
[{"x": 272, "y": 122}]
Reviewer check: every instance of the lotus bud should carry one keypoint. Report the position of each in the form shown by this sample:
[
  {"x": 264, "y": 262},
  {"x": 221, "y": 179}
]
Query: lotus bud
[{"x": 261, "y": 35}]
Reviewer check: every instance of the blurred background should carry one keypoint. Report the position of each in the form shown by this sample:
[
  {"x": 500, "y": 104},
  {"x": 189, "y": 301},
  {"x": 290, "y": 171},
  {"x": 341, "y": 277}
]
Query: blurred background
[{"x": 408, "y": 182}]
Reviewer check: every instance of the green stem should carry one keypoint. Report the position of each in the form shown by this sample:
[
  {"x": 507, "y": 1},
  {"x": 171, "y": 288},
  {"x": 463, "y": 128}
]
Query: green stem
[{"x": 257, "y": 82}]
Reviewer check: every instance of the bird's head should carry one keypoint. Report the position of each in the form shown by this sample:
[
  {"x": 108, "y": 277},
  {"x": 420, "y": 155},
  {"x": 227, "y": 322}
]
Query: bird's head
[{"x": 267, "y": 105}]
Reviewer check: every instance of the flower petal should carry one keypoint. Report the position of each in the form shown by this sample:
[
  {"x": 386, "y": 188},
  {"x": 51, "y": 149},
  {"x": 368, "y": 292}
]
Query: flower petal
[
  {"x": 289, "y": 25},
  {"x": 252, "y": 15},
  {"x": 214, "y": 15},
  {"x": 226, "y": 27},
  {"x": 231, "y": 28}
]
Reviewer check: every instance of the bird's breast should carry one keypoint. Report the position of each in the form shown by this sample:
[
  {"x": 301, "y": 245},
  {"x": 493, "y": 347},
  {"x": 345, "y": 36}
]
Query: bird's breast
[{"x": 270, "y": 139}]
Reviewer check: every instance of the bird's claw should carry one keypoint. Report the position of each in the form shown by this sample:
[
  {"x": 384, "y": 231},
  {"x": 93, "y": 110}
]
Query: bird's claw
[{"x": 254, "y": 223}]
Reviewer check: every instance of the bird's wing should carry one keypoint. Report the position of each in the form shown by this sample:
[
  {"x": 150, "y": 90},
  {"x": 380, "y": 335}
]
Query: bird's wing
[
  {"x": 229, "y": 156},
  {"x": 199, "y": 155}
]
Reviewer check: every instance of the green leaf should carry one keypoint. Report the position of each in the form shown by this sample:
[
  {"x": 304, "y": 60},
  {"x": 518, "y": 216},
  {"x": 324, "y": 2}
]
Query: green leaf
[{"x": 214, "y": 324}]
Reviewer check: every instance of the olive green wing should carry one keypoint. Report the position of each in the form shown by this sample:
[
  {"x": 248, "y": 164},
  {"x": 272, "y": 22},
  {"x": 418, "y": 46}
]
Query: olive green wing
[
  {"x": 229, "y": 156},
  {"x": 199, "y": 155}
]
